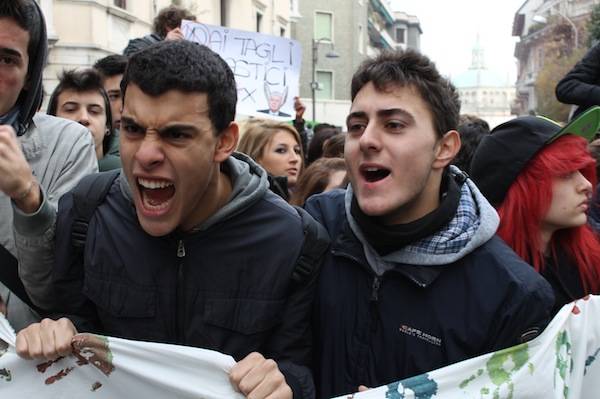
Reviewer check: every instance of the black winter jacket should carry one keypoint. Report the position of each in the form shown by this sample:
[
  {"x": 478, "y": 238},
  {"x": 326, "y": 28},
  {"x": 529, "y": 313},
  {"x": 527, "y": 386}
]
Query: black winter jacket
[
  {"x": 376, "y": 330},
  {"x": 227, "y": 288},
  {"x": 581, "y": 85}
]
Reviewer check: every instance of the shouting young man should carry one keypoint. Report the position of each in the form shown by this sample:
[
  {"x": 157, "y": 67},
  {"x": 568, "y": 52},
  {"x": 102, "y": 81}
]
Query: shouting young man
[
  {"x": 415, "y": 278},
  {"x": 189, "y": 246}
]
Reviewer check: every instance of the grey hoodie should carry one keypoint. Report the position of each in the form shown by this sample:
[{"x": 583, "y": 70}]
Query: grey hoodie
[
  {"x": 60, "y": 152},
  {"x": 473, "y": 225}
]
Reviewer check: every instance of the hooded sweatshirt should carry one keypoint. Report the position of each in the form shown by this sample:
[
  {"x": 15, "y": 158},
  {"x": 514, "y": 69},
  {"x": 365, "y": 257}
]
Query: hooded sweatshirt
[{"x": 59, "y": 152}]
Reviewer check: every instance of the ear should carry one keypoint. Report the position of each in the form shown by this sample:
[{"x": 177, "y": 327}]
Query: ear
[
  {"x": 446, "y": 149},
  {"x": 226, "y": 142}
]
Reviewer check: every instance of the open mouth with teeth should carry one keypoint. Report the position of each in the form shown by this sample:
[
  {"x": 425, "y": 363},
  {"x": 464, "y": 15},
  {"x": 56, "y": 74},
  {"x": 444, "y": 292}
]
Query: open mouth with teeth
[
  {"x": 372, "y": 175},
  {"x": 155, "y": 194}
]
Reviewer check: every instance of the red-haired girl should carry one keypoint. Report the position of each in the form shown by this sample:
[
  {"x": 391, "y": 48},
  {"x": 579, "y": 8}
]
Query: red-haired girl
[{"x": 541, "y": 178}]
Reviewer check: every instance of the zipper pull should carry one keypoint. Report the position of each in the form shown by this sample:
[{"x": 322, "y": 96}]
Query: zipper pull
[
  {"x": 375, "y": 289},
  {"x": 180, "y": 249}
]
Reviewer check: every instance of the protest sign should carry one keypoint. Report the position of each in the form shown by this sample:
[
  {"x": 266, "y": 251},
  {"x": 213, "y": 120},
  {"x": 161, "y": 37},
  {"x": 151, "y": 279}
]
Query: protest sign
[{"x": 266, "y": 67}]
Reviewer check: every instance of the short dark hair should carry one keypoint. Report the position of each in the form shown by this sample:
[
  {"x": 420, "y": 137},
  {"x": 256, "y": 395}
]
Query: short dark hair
[
  {"x": 170, "y": 17},
  {"x": 398, "y": 68},
  {"x": 24, "y": 13},
  {"x": 188, "y": 67},
  {"x": 111, "y": 65},
  {"x": 82, "y": 81},
  {"x": 322, "y": 132}
]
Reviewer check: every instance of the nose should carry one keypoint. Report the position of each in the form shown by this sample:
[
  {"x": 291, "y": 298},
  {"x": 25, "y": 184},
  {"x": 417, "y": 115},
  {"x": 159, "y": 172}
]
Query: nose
[
  {"x": 369, "y": 140},
  {"x": 150, "y": 152},
  {"x": 294, "y": 157},
  {"x": 583, "y": 184},
  {"x": 83, "y": 118}
]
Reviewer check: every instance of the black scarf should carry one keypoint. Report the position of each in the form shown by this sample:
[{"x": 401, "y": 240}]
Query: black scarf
[{"x": 386, "y": 239}]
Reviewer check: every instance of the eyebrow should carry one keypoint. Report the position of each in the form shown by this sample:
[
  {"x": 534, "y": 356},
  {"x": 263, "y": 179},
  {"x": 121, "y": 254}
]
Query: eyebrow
[
  {"x": 126, "y": 120},
  {"x": 176, "y": 126},
  {"x": 78, "y": 104},
  {"x": 10, "y": 51},
  {"x": 70, "y": 103},
  {"x": 382, "y": 113}
]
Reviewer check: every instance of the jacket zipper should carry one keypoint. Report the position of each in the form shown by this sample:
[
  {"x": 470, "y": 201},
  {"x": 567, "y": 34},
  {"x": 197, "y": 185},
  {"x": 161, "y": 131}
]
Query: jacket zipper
[
  {"x": 180, "y": 327},
  {"x": 373, "y": 301}
]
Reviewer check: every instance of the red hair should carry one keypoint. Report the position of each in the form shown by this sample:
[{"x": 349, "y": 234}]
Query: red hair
[{"x": 528, "y": 200}]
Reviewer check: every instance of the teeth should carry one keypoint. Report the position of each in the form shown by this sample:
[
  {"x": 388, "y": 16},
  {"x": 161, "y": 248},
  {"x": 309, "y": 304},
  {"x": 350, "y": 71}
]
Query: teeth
[
  {"x": 371, "y": 169},
  {"x": 153, "y": 184}
]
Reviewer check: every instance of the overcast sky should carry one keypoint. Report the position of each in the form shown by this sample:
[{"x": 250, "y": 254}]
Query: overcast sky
[{"x": 450, "y": 31}]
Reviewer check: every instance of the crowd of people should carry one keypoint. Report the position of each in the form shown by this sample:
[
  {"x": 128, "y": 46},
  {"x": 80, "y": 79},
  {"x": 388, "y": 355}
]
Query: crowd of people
[{"x": 311, "y": 254}]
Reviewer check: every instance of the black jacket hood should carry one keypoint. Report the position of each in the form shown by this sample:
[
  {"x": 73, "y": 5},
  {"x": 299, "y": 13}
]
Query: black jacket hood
[{"x": 30, "y": 99}]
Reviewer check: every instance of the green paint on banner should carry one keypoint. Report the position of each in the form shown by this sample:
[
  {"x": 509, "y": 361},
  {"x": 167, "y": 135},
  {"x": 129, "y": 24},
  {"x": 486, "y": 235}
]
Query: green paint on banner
[
  {"x": 501, "y": 368},
  {"x": 422, "y": 387},
  {"x": 590, "y": 359},
  {"x": 466, "y": 382},
  {"x": 564, "y": 360}
]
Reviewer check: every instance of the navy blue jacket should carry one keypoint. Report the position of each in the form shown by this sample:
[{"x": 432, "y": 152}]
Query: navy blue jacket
[
  {"x": 375, "y": 330},
  {"x": 228, "y": 287}
]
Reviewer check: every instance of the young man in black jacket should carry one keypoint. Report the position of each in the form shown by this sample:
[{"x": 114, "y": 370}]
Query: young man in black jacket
[
  {"x": 415, "y": 279},
  {"x": 189, "y": 246}
]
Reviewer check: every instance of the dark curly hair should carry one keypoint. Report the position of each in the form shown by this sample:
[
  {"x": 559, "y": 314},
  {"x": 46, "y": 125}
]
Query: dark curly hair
[
  {"x": 398, "y": 68},
  {"x": 187, "y": 67},
  {"x": 170, "y": 18}
]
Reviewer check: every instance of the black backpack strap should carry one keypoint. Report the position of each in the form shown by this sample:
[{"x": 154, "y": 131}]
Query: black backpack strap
[
  {"x": 87, "y": 195},
  {"x": 316, "y": 243},
  {"x": 9, "y": 276}
]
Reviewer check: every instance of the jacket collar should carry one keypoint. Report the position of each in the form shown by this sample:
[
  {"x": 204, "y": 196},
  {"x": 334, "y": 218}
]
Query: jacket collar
[{"x": 347, "y": 245}]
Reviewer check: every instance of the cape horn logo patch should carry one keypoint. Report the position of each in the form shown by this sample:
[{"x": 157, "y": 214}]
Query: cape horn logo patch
[{"x": 415, "y": 332}]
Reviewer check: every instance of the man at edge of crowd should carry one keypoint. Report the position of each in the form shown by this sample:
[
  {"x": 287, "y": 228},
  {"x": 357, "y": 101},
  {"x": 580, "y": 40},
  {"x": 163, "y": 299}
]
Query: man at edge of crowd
[{"x": 41, "y": 157}]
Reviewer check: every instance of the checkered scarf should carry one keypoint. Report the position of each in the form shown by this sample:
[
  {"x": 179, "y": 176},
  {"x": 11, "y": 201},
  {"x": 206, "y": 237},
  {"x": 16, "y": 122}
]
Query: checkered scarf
[{"x": 474, "y": 223}]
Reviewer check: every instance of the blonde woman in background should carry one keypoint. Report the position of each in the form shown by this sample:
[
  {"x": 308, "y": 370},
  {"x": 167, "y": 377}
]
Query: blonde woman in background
[{"x": 276, "y": 146}]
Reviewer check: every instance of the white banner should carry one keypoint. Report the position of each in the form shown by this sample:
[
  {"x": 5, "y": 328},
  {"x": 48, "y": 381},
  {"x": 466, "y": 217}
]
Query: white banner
[
  {"x": 562, "y": 363},
  {"x": 266, "y": 67},
  {"x": 109, "y": 368}
]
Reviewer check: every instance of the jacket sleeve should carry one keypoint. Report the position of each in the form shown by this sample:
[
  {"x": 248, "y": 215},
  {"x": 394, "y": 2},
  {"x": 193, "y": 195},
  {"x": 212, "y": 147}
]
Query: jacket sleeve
[
  {"x": 524, "y": 316},
  {"x": 300, "y": 126},
  {"x": 581, "y": 85},
  {"x": 34, "y": 233},
  {"x": 291, "y": 344}
]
